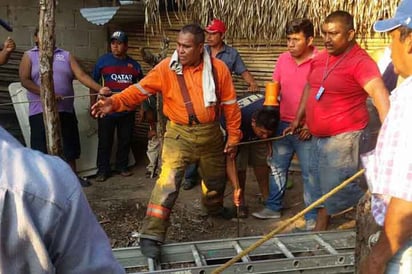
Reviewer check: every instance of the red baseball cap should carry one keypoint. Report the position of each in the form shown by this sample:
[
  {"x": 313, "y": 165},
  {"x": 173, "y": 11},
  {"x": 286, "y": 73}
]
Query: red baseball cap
[{"x": 216, "y": 26}]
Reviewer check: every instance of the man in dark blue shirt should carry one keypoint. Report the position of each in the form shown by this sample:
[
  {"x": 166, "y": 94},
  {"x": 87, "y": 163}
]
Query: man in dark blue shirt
[
  {"x": 117, "y": 71},
  {"x": 258, "y": 122}
]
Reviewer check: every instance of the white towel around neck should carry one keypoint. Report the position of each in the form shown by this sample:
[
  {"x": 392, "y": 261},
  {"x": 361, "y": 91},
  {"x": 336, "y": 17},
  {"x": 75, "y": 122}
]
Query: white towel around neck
[{"x": 208, "y": 84}]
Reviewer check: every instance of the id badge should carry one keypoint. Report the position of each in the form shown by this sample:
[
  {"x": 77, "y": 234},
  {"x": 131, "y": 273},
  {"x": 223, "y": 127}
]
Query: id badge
[{"x": 319, "y": 93}]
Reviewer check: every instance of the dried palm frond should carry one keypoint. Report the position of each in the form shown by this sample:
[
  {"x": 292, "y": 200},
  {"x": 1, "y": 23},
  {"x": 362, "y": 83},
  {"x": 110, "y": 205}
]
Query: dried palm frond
[{"x": 265, "y": 20}]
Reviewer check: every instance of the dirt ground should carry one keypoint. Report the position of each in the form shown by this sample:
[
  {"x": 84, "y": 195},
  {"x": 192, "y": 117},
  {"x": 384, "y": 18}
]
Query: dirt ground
[{"x": 120, "y": 205}]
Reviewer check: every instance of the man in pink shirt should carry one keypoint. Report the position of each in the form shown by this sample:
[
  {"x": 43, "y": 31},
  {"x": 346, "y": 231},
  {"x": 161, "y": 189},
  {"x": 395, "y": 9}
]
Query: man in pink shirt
[
  {"x": 334, "y": 102},
  {"x": 291, "y": 73}
]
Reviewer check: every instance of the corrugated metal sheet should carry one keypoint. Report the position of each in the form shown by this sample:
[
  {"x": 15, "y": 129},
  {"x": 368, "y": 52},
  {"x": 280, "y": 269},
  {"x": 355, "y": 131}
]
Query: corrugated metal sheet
[{"x": 120, "y": 15}]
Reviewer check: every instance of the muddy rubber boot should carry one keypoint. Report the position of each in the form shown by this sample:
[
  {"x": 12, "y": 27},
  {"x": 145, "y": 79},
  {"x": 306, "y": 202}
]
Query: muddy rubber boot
[
  {"x": 228, "y": 213},
  {"x": 150, "y": 248}
]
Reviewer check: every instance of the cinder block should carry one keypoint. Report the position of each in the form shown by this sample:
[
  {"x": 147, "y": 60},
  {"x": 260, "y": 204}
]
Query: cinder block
[
  {"x": 74, "y": 38},
  {"x": 86, "y": 53},
  {"x": 65, "y": 18},
  {"x": 4, "y": 12},
  {"x": 20, "y": 3},
  {"x": 64, "y": 5},
  {"x": 25, "y": 17},
  {"x": 72, "y": 31},
  {"x": 91, "y": 3},
  {"x": 98, "y": 38},
  {"x": 59, "y": 33},
  {"x": 82, "y": 23},
  {"x": 103, "y": 51}
]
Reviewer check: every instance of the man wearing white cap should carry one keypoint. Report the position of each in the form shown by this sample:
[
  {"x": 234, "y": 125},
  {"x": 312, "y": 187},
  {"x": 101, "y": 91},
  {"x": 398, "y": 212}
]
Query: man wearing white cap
[{"x": 389, "y": 166}]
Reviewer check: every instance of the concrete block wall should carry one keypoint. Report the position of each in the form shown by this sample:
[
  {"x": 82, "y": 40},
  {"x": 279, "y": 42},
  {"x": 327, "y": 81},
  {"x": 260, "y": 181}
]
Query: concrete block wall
[{"x": 73, "y": 33}]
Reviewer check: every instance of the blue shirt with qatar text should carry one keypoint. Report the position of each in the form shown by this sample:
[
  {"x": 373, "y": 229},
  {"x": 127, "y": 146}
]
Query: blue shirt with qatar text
[{"x": 116, "y": 73}]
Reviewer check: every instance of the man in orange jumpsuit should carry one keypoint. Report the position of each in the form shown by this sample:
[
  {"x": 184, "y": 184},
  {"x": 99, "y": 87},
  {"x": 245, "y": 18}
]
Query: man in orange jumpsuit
[{"x": 195, "y": 89}]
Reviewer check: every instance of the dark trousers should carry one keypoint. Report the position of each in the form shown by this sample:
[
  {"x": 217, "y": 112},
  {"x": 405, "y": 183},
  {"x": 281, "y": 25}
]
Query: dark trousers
[
  {"x": 123, "y": 124},
  {"x": 191, "y": 174},
  {"x": 69, "y": 131}
]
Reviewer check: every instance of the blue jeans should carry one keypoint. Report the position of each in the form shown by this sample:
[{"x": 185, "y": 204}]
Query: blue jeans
[
  {"x": 279, "y": 164},
  {"x": 333, "y": 160},
  {"x": 401, "y": 262},
  {"x": 191, "y": 174}
]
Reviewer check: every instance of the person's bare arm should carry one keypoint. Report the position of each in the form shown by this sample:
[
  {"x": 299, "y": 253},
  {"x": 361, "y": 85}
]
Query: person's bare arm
[
  {"x": 25, "y": 75},
  {"x": 396, "y": 232},
  {"x": 8, "y": 47},
  {"x": 82, "y": 76},
  {"x": 247, "y": 76},
  {"x": 92, "y": 93},
  {"x": 300, "y": 114},
  {"x": 380, "y": 95}
]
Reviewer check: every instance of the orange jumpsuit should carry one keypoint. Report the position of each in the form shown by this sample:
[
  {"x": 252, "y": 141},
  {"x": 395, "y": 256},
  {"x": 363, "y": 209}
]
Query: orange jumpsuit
[{"x": 183, "y": 144}]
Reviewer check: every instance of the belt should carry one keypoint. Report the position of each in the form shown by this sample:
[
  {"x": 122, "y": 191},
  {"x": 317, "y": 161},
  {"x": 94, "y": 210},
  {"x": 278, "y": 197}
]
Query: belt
[{"x": 193, "y": 125}]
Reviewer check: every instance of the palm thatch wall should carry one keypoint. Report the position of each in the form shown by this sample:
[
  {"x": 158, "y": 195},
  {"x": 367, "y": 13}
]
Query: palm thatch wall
[
  {"x": 266, "y": 19},
  {"x": 255, "y": 29}
]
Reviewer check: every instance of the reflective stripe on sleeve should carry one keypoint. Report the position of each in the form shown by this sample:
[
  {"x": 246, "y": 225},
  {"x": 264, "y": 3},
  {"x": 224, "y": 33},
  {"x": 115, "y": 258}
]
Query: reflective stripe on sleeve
[
  {"x": 141, "y": 89},
  {"x": 229, "y": 102}
]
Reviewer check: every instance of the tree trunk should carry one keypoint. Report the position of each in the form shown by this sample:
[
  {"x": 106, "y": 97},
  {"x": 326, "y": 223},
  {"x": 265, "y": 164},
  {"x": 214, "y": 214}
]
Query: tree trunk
[
  {"x": 365, "y": 226},
  {"x": 46, "y": 46}
]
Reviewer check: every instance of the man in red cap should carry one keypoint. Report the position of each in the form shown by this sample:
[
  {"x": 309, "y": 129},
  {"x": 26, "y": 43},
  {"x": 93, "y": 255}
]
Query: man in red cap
[{"x": 215, "y": 33}]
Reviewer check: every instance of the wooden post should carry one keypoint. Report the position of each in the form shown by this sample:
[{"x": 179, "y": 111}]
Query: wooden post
[
  {"x": 46, "y": 46},
  {"x": 365, "y": 227}
]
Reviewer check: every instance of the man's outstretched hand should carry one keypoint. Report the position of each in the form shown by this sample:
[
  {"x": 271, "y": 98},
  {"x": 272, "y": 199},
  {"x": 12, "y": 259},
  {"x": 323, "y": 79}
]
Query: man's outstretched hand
[{"x": 104, "y": 104}]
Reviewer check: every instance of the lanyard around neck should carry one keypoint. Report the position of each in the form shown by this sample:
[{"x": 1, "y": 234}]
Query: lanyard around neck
[{"x": 326, "y": 71}]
